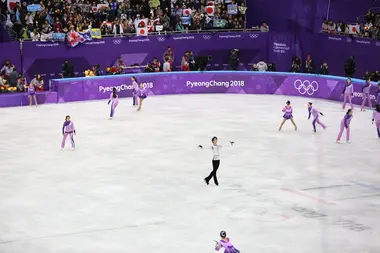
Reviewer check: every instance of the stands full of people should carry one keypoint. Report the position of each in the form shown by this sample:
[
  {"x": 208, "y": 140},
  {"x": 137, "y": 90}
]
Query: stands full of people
[
  {"x": 369, "y": 29},
  {"x": 116, "y": 17}
]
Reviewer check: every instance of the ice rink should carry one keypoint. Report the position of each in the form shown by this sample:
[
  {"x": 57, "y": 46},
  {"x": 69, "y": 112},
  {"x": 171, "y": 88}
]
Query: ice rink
[{"x": 134, "y": 184}]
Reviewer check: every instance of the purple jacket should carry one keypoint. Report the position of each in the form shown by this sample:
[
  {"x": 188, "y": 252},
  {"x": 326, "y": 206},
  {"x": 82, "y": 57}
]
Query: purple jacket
[
  {"x": 68, "y": 127},
  {"x": 366, "y": 87},
  {"x": 135, "y": 87},
  {"x": 227, "y": 245},
  {"x": 141, "y": 92},
  {"x": 348, "y": 89},
  {"x": 346, "y": 120},
  {"x": 313, "y": 111},
  {"x": 287, "y": 109}
]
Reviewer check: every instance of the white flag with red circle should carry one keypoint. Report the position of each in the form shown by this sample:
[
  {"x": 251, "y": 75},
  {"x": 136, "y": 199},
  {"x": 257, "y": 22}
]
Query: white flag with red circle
[
  {"x": 353, "y": 29},
  {"x": 156, "y": 21},
  {"x": 141, "y": 23},
  {"x": 142, "y": 31},
  {"x": 186, "y": 12},
  {"x": 12, "y": 4},
  {"x": 210, "y": 10}
]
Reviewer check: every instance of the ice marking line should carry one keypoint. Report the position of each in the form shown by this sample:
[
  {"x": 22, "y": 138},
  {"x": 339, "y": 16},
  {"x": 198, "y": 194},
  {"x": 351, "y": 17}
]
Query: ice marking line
[
  {"x": 308, "y": 196},
  {"x": 361, "y": 197},
  {"x": 326, "y": 187},
  {"x": 82, "y": 232},
  {"x": 365, "y": 185}
]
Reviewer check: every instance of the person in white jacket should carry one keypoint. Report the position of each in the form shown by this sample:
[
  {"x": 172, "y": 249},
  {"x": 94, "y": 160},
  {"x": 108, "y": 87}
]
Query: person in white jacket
[
  {"x": 262, "y": 66},
  {"x": 118, "y": 28}
]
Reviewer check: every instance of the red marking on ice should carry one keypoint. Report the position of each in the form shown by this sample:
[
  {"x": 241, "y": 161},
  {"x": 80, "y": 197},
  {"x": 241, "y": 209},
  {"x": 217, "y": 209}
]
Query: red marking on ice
[{"x": 308, "y": 196}]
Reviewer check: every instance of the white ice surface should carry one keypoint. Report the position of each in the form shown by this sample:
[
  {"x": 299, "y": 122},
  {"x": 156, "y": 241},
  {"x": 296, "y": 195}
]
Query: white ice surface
[{"x": 134, "y": 184}]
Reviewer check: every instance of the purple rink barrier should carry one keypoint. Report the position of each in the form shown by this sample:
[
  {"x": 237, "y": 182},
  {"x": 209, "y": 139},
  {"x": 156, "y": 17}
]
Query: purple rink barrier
[
  {"x": 241, "y": 82},
  {"x": 21, "y": 99}
]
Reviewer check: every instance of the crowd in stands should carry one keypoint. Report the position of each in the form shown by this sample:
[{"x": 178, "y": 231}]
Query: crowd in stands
[
  {"x": 118, "y": 16},
  {"x": 369, "y": 29}
]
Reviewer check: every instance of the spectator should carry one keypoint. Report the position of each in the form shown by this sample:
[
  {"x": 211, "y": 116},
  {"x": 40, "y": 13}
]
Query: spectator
[
  {"x": 296, "y": 65},
  {"x": 13, "y": 76},
  {"x": 375, "y": 76},
  {"x": 121, "y": 63},
  {"x": 234, "y": 59},
  {"x": 156, "y": 65},
  {"x": 325, "y": 26},
  {"x": 117, "y": 28},
  {"x": 242, "y": 9},
  {"x": 167, "y": 65},
  {"x": 191, "y": 61},
  {"x": 34, "y": 35},
  {"x": 254, "y": 67},
  {"x": 38, "y": 83},
  {"x": 179, "y": 26},
  {"x": 67, "y": 70},
  {"x": 367, "y": 75},
  {"x": 324, "y": 69},
  {"x": 185, "y": 65},
  {"x": 2, "y": 82},
  {"x": 169, "y": 53},
  {"x": 96, "y": 70},
  {"x": 21, "y": 83},
  {"x": 272, "y": 67},
  {"x": 58, "y": 26},
  {"x": 8, "y": 22},
  {"x": 331, "y": 27},
  {"x": 7, "y": 69},
  {"x": 309, "y": 66},
  {"x": 264, "y": 27},
  {"x": 261, "y": 65},
  {"x": 350, "y": 67}
]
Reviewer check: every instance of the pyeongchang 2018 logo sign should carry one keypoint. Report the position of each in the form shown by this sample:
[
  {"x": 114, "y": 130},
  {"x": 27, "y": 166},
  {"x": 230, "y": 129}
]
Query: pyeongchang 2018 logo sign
[
  {"x": 306, "y": 87},
  {"x": 123, "y": 87}
]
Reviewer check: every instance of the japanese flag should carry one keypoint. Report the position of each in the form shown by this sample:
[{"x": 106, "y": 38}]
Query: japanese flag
[
  {"x": 156, "y": 21},
  {"x": 210, "y": 10},
  {"x": 354, "y": 29},
  {"x": 94, "y": 9},
  {"x": 141, "y": 22},
  {"x": 186, "y": 12},
  {"x": 12, "y": 4},
  {"x": 142, "y": 31}
]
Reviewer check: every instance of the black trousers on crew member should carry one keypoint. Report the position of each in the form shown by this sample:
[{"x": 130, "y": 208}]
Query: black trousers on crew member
[{"x": 215, "y": 167}]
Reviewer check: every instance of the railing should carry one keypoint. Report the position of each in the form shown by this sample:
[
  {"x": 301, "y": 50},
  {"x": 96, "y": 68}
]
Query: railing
[{"x": 174, "y": 32}]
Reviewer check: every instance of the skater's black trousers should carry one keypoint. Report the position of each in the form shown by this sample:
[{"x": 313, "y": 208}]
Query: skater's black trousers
[{"x": 215, "y": 167}]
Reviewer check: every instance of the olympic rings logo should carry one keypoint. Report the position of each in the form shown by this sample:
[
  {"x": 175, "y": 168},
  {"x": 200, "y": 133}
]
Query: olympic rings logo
[
  {"x": 306, "y": 87},
  {"x": 253, "y": 35},
  {"x": 206, "y": 37},
  {"x": 117, "y": 42},
  {"x": 161, "y": 39}
]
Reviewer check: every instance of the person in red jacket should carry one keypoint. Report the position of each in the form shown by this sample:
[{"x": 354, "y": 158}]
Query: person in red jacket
[{"x": 156, "y": 65}]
